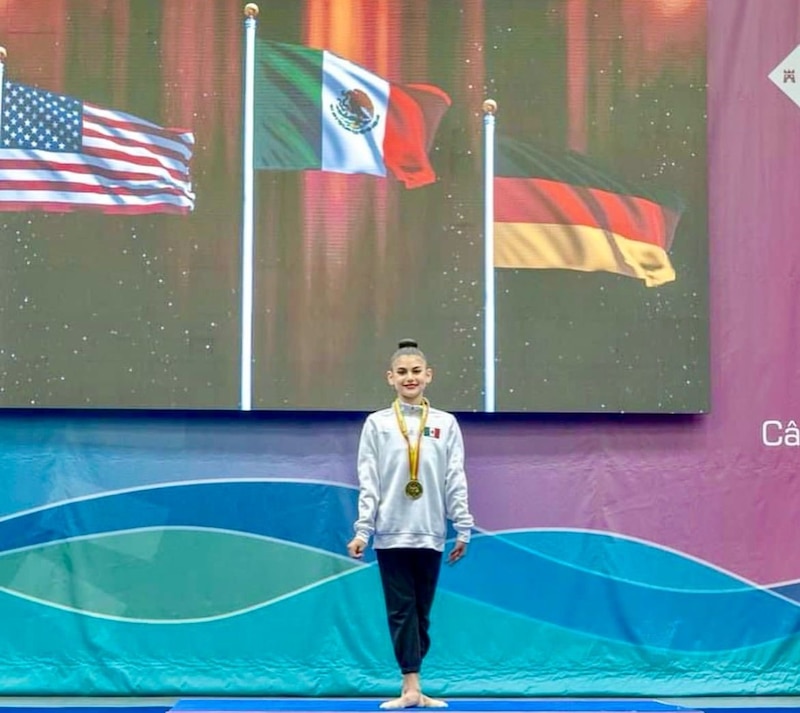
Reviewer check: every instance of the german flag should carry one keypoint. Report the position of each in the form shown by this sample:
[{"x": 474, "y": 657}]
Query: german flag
[{"x": 558, "y": 210}]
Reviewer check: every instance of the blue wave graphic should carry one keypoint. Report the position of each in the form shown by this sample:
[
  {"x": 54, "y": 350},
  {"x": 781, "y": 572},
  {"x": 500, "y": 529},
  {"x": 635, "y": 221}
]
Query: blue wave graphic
[
  {"x": 508, "y": 655},
  {"x": 624, "y": 559},
  {"x": 727, "y": 614},
  {"x": 316, "y": 515},
  {"x": 790, "y": 590},
  {"x": 596, "y": 584}
]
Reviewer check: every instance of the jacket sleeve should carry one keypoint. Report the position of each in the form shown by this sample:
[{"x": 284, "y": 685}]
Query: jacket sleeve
[
  {"x": 456, "y": 496},
  {"x": 368, "y": 482}
]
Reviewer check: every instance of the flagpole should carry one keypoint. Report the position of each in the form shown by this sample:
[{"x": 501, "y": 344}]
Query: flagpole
[
  {"x": 3, "y": 55},
  {"x": 489, "y": 347},
  {"x": 248, "y": 243}
]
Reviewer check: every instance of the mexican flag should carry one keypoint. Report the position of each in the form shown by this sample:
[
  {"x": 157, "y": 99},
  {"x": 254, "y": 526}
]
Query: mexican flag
[{"x": 317, "y": 111}]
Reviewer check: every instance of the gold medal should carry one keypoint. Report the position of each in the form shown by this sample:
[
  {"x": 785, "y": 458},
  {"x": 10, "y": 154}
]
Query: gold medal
[
  {"x": 413, "y": 486},
  {"x": 414, "y": 489}
]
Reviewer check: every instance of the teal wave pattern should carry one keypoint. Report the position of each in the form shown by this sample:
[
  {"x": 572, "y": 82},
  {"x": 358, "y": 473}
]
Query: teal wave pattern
[
  {"x": 206, "y": 551},
  {"x": 331, "y": 640}
]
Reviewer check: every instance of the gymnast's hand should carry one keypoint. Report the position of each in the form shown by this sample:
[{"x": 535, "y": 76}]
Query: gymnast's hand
[
  {"x": 458, "y": 552},
  {"x": 356, "y": 547}
]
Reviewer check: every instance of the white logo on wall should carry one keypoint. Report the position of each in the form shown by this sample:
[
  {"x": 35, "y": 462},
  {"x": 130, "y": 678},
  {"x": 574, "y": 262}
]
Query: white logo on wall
[
  {"x": 778, "y": 433},
  {"x": 786, "y": 75}
]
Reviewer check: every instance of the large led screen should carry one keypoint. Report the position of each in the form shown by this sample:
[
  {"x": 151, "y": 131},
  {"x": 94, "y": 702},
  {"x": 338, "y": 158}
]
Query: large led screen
[{"x": 198, "y": 215}]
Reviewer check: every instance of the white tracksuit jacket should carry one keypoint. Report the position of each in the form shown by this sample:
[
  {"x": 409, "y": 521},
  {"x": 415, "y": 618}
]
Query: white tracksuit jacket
[{"x": 384, "y": 510}]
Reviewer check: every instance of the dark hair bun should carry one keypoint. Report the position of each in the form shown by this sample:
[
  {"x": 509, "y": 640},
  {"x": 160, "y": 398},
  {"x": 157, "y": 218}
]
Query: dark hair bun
[{"x": 406, "y": 343}]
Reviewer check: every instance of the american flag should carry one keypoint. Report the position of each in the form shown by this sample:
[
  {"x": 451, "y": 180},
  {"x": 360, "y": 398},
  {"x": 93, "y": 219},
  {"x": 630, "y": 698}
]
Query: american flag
[{"x": 60, "y": 154}]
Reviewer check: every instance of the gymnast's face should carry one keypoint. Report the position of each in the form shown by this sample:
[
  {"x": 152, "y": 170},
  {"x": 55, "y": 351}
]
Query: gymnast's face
[{"x": 409, "y": 376}]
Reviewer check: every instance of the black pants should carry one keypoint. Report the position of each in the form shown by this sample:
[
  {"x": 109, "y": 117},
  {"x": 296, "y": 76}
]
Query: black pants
[{"x": 409, "y": 577}]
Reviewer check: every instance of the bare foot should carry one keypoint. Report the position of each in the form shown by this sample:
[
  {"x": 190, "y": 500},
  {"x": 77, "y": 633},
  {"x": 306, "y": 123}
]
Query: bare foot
[
  {"x": 409, "y": 699},
  {"x": 428, "y": 702}
]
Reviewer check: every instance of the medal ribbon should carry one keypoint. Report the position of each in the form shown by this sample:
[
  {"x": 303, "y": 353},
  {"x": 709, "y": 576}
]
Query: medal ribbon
[{"x": 413, "y": 449}]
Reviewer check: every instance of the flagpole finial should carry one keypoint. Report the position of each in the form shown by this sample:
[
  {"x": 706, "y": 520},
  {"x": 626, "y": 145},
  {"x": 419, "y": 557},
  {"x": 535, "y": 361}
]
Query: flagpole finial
[
  {"x": 3, "y": 54},
  {"x": 251, "y": 10},
  {"x": 489, "y": 106}
]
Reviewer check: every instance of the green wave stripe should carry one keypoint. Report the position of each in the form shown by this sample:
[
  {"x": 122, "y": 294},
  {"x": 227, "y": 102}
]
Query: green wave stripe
[
  {"x": 165, "y": 574},
  {"x": 332, "y": 640}
]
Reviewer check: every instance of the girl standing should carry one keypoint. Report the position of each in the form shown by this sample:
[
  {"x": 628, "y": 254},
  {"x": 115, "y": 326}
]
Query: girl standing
[{"x": 411, "y": 481}]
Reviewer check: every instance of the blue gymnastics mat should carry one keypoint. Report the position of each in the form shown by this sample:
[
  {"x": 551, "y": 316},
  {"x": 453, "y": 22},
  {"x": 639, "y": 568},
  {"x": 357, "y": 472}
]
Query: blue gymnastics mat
[{"x": 473, "y": 705}]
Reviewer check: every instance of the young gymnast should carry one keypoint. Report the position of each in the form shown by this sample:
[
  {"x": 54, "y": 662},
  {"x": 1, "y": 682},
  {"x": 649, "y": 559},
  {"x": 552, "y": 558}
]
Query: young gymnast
[{"x": 411, "y": 481}]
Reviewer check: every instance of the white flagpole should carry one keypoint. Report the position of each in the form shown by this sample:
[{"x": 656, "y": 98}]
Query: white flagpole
[
  {"x": 489, "y": 348},
  {"x": 3, "y": 55},
  {"x": 248, "y": 250}
]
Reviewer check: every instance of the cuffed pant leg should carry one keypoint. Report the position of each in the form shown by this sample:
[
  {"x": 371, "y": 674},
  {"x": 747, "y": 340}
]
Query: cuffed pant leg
[
  {"x": 397, "y": 571},
  {"x": 426, "y": 576}
]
